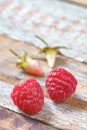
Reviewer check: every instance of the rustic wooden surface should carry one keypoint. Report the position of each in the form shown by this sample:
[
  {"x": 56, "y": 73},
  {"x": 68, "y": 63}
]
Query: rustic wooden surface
[
  {"x": 62, "y": 23},
  {"x": 12, "y": 121},
  {"x": 69, "y": 115}
]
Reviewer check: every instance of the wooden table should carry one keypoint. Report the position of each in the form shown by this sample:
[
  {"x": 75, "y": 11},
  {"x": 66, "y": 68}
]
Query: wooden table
[
  {"x": 10, "y": 120},
  {"x": 74, "y": 108}
]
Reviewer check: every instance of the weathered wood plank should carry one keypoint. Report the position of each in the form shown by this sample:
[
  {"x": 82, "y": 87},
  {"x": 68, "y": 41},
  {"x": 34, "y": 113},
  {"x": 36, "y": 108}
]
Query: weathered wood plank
[
  {"x": 61, "y": 23},
  {"x": 11, "y": 121},
  {"x": 69, "y": 115},
  {"x": 15, "y": 74},
  {"x": 63, "y": 116}
]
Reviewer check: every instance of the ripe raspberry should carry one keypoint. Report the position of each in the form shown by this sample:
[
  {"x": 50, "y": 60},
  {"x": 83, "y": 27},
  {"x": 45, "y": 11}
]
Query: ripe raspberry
[
  {"x": 60, "y": 84},
  {"x": 28, "y": 96}
]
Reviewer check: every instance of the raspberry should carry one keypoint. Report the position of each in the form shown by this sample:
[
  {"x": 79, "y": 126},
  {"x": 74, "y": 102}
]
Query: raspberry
[
  {"x": 60, "y": 84},
  {"x": 28, "y": 96},
  {"x": 28, "y": 64}
]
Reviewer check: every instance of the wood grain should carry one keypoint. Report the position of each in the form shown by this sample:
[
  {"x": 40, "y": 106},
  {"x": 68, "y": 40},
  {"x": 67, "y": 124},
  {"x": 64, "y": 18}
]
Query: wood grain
[
  {"x": 11, "y": 121},
  {"x": 62, "y": 23},
  {"x": 64, "y": 116},
  {"x": 69, "y": 115}
]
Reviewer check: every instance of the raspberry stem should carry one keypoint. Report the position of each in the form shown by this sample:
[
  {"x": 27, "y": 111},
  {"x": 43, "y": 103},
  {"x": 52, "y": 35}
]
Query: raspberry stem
[
  {"x": 15, "y": 53},
  {"x": 41, "y": 39}
]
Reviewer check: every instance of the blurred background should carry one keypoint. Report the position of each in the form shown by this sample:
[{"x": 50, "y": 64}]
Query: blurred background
[{"x": 58, "y": 22}]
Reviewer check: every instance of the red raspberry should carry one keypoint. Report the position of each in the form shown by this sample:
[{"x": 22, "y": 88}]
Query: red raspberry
[
  {"x": 60, "y": 84},
  {"x": 28, "y": 96}
]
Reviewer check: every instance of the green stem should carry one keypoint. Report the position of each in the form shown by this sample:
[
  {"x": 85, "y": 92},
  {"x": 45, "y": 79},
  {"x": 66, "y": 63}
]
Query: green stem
[
  {"x": 60, "y": 47},
  {"x": 41, "y": 39},
  {"x": 13, "y": 52}
]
